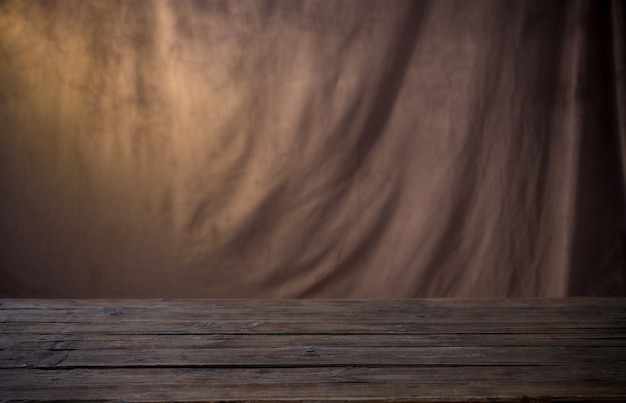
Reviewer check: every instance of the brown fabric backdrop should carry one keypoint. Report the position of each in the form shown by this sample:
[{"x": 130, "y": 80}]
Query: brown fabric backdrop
[{"x": 328, "y": 149}]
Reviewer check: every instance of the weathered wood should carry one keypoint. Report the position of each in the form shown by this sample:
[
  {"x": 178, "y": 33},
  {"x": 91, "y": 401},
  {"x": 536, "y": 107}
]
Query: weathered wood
[
  {"x": 307, "y": 350},
  {"x": 95, "y": 341},
  {"x": 306, "y": 356}
]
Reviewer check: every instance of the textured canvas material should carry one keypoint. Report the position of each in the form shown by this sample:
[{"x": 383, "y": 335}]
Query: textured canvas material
[{"x": 327, "y": 149}]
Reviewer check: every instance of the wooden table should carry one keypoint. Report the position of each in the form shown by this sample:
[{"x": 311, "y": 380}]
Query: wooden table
[{"x": 306, "y": 350}]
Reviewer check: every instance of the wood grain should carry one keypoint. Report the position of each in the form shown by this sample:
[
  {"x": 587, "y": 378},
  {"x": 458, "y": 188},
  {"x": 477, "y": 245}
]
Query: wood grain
[{"x": 307, "y": 350}]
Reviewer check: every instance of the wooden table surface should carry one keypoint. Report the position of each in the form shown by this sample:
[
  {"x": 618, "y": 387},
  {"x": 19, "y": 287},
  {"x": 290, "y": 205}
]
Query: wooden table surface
[{"x": 306, "y": 350}]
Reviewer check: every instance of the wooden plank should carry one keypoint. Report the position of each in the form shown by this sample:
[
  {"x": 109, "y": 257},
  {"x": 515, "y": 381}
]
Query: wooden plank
[
  {"x": 203, "y": 317},
  {"x": 433, "y": 315},
  {"x": 226, "y": 310},
  {"x": 574, "y": 375},
  {"x": 200, "y": 319},
  {"x": 443, "y": 392},
  {"x": 301, "y": 356},
  {"x": 96, "y": 341},
  {"x": 316, "y": 383},
  {"x": 318, "y": 305},
  {"x": 320, "y": 326}
]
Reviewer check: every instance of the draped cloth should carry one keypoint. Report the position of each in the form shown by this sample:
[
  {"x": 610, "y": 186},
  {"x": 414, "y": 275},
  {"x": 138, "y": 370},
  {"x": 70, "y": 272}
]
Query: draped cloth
[{"x": 312, "y": 149}]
